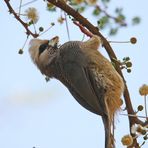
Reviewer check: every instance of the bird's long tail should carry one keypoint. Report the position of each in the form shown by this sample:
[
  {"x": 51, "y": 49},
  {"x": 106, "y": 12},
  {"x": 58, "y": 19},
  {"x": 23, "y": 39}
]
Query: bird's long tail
[{"x": 109, "y": 138}]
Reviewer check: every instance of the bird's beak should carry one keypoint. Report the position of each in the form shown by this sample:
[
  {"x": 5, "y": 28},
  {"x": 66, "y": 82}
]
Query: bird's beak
[{"x": 54, "y": 42}]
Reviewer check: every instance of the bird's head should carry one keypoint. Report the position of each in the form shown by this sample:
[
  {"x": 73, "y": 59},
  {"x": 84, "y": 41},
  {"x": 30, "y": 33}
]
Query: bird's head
[{"x": 42, "y": 52}]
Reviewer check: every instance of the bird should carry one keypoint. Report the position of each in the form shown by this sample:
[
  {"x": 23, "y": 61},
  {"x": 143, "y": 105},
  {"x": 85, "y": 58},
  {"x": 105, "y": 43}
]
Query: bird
[{"x": 88, "y": 75}]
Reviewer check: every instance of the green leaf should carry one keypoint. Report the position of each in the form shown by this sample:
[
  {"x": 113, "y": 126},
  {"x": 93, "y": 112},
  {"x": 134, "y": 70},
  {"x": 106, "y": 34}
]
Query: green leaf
[
  {"x": 72, "y": 3},
  {"x": 136, "y": 20},
  {"x": 126, "y": 58},
  {"x": 105, "y": 1},
  {"x": 120, "y": 18},
  {"x": 118, "y": 10},
  {"x": 81, "y": 9},
  {"x": 145, "y": 137},
  {"x": 103, "y": 21},
  {"x": 51, "y": 7},
  {"x": 113, "y": 31},
  {"x": 30, "y": 23},
  {"x": 96, "y": 11}
]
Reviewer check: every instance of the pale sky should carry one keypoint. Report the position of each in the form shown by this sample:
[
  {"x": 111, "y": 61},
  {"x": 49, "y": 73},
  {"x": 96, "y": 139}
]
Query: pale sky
[{"x": 44, "y": 115}]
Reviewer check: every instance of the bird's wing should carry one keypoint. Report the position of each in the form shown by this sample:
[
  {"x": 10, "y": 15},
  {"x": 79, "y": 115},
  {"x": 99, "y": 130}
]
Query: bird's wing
[{"x": 79, "y": 79}]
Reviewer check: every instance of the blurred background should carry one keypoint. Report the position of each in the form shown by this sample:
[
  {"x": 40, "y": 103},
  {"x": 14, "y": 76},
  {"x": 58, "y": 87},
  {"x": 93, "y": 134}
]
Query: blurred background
[{"x": 36, "y": 113}]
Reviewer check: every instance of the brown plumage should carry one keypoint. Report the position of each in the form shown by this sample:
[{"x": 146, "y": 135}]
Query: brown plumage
[{"x": 89, "y": 76}]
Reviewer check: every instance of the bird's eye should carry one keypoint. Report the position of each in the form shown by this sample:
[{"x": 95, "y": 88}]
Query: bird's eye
[{"x": 42, "y": 48}]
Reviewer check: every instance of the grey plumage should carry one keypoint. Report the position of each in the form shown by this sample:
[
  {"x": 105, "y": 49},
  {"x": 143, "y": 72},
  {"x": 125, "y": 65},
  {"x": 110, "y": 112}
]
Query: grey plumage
[{"x": 88, "y": 75}]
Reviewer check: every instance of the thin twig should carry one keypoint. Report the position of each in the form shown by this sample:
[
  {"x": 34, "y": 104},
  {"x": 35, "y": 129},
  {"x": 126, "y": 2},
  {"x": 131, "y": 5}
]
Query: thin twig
[
  {"x": 122, "y": 23},
  {"x": 119, "y": 41},
  {"x": 46, "y": 30},
  {"x": 25, "y": 42},
  {"x": 27, "y": 3},
  {"x": 34, "y": 28},
  {"x": 20, "y": 6},
  {"x": 83, "y": 37},
  {"x": 67, "y": 28},
  {"x": 131, "y": 115},
  {"x": 25, "y": 25}
]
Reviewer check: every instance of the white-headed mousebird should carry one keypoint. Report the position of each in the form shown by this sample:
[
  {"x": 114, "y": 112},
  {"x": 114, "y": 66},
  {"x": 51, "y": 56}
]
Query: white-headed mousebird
[{"x": 88, "y": 75}]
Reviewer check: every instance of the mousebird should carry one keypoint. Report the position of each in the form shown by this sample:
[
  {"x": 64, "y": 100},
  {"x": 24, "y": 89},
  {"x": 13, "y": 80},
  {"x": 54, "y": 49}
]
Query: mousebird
[{"x": 89, "y": 76}]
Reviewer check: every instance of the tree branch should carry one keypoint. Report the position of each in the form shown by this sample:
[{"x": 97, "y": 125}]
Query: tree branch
[
  {"x": 121, "y": 22},
  {"x": 25, "y": 25}
]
